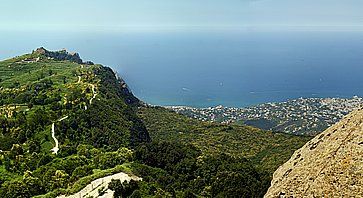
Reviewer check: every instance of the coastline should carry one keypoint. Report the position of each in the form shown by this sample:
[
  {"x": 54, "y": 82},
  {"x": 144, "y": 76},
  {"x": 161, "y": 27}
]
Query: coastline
[{"x": 302, "y": 116}]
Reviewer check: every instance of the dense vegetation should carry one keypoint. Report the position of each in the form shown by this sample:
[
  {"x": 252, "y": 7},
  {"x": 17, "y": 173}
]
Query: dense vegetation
[
  {"x": 267, "y": 150},
  {"x": 103, "y": 129},
  {"x": 41, "y": 173},
  {"x": 185, "y": 172}
]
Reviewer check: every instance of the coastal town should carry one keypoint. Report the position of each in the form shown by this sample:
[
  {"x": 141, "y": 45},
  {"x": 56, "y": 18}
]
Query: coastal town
[{"x": 303, "y": 116}]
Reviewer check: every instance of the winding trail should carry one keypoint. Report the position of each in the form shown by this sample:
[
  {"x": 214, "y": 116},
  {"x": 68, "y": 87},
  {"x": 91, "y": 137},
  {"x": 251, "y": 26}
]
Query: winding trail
[
  {"x": 79, "y": 79},
  {"x": 65, "y": 117},
  {"x": 94, "y": 93},
  {"x": 55, "y": 149}
]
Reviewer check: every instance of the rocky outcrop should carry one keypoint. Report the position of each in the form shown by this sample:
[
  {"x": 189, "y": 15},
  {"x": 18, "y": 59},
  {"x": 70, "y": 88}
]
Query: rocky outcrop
[
  {"x": 61, "y": 55},
  {"x": 95, "y": 187},
  {"x": 330, "y": 165}
]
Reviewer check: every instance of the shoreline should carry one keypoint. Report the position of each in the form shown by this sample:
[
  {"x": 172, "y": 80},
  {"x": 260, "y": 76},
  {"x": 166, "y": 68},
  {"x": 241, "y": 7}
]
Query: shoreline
[
  {"x": 254, "y": 105},
  {"x": 303, "y": 116}
]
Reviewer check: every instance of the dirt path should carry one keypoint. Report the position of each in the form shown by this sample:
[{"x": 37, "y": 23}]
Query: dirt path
[
  {"x": 91, "y": 190},
  {"x": 55, "y": 149},
  {"x": 79, "y": 79},
  {"x": 94, "y": 93}
]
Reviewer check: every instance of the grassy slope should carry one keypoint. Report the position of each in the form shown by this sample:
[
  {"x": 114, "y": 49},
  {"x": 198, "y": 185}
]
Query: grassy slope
[
  {"x": 20, "y": 82},
  {"x": 18, "y": 77},
  {"x": 266, "y": 149},
  {"x": 13, "y": 70}
]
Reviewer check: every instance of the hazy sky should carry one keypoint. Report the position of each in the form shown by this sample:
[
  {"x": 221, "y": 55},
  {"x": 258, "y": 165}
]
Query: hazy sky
[{"x": 158, "y": 14}]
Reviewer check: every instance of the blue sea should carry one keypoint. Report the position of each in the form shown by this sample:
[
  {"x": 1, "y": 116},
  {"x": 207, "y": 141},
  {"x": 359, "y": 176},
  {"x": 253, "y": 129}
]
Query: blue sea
[{"x": 208, "y": 68}]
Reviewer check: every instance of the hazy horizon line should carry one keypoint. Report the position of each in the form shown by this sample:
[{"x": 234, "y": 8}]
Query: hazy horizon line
[{"x": 183, "y": 28}]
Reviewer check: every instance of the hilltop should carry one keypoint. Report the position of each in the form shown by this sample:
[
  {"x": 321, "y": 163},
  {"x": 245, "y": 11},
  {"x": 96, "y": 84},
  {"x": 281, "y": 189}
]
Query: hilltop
[{"x": 61, "y": 55}]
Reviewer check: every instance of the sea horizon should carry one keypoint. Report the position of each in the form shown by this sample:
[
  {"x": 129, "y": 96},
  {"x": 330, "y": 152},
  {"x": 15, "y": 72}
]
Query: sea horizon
[{"x": 206, "y": 69}]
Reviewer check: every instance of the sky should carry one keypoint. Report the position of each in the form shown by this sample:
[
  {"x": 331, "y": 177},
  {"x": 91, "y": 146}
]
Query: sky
[{"x": 107, "y": 15}]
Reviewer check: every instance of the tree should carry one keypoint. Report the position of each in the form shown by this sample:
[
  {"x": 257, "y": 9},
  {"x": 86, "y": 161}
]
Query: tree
[
  {"x": 33, "y": 184},
  {"x": 122, "y": 190},
  {"x": 60, "y": 179},
  {"x": 15, "y": 188},
  {"x": 116, "y": 186}
]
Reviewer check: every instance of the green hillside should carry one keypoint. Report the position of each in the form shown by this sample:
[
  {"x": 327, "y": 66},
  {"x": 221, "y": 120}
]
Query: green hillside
[
  {"x": 36, "y": 90},
  {"x": 87, "y": 103},
  {"x": 65, "y": 122},
  {"x": 267, "y": 150}
]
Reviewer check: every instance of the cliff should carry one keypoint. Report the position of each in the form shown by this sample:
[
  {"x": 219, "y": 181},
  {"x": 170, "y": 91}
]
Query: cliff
[{"x": 330, "y": 165}]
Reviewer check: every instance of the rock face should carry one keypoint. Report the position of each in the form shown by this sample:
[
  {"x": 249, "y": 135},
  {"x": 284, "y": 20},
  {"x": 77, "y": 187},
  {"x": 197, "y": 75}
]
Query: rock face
[
  {"x": 330, "y": 165},
  {"x": 61, "y": 55}
]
